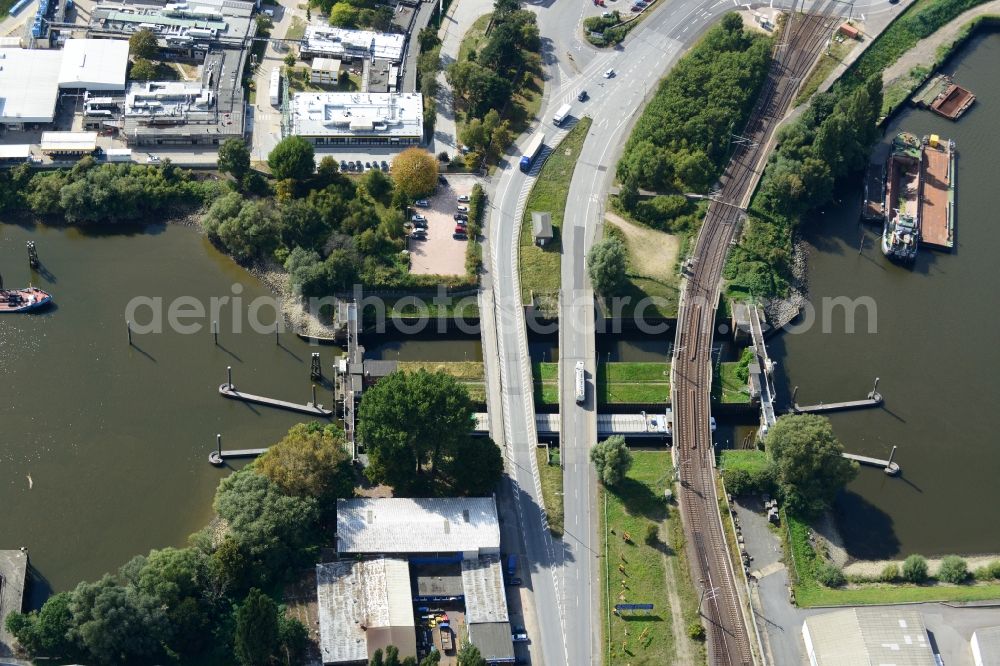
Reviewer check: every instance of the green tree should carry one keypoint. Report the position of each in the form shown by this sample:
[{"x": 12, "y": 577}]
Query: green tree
[
  {"x": 143, "y": 70},
  {"x": 180, "y": 581},
  {"x": 234, "y": 159},
  {"x": 607, "y": 262},
  {"x": 142, "y": 44},
  {"x": 415, "y": 171},
  {"x": 293, "y": 157},
  {"x": 915, "y": 569},
  {"x": 344, "y": 15},
  {"x": 953, "y": 569},
  {"x": 255, "y": 639},
  {"x": 289, "y": 61},
  {"x": 117, "y": 624},
  {"x": 46, "y": 631},
  {"x": 469, "y": 655},
  {"x": 410, "y": 421},
  {"x": 829, "y": 575},
  {"x": 252, "y": 233},
  {"x": 310, "y": 461},
  {"x": 475, "y": 467},
  {"x": 612, "y": 459},
  {"x": 271, "y": 529},
  {"x": 809, "y": 467}
]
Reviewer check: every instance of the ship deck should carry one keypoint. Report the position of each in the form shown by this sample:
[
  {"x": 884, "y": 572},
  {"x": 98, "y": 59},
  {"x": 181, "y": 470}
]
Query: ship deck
[{"x": 937, "y": 202}]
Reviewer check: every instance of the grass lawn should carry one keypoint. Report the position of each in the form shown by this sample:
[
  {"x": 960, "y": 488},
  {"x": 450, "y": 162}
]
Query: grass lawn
[
  {"x": 652, "y": 264},
  {"x": 466, "y": 306},
  {"x": 752, "y": 460},
  {"x": 298, "y": 81},
  {"x": 617, "y": 383},
  {"x": 552, "y": 487},
  {"x": 827, "y": 61},
  {"x": 727, "y": 387},
  {"x": 470, "y": 42},
  {"x": 635, "y": 571},
  {"x": 470, "y": 373},
  {"x": 540, "y": 268},
  {"x": 297, "y": 29},
  {"x": 809, "y": 592}
]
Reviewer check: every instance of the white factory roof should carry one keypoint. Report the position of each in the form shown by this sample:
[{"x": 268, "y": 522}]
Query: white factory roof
[
  {"x": 362, "y": 114},
  {"x": 986, "y": 646},
  {"x": 69, "y": 141},
  {"x": 482, "y": 582},
  {"x": 15, "y": 151},
  {"x": 167, "y": 98},
  {"x": 95, "y": 64},
  {"x": 340, "y": 41},
  {"x": 363, "y": 606},
  {"x": 326, "y": 64},
  {"x": 875, "y": 636},
  {"x": 29, "y": 85},
  {"x": 428, "y": 525}
]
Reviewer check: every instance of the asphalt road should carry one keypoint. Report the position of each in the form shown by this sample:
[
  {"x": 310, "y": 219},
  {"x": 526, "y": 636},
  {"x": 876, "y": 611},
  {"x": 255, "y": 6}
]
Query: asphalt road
[{"x": 564, "y": 575}]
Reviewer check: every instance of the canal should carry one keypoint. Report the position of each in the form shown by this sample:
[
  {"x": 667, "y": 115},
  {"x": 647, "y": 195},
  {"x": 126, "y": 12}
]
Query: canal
[
  {"x": 935, "y": 349},
  {"x": 115, "y": 439}
]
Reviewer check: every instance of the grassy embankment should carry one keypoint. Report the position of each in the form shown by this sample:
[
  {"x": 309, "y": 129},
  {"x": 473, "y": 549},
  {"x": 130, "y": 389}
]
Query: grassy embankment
[
  {"x": 809, "y": 592},
  {"x": 635, "y": 383},
  {"x": 644, "y": 569},
  {"x": 470, "y": 373},
  {"x": 652, "y": 267},
  {"x": 830, "y": 58},
  {"x": 540, "y": 268},
  {"x": 551, "y": 474}
]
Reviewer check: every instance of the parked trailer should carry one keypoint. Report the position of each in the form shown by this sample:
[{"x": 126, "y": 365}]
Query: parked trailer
[
  {"x": 446, "y": 643},
  {"x": 581, "y": 382},
  {"x": 118, "y": 154},
  {"x": 275, "y": 87},
  {"x": 562, "y": 114},
  {"x": 531, "y": 152}
]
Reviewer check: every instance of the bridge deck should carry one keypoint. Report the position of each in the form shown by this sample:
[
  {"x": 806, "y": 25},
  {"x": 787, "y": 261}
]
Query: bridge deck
[{"x": 630, "y": 425}]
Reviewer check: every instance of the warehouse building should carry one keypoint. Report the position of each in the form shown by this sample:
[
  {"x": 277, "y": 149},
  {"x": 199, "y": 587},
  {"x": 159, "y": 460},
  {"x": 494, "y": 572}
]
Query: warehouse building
[
  {"x": 868, "y": 636},
  {"x": 331, "y": 119},
  {"x": 94, "y": 64},
  {"x": 364, "y": 606},
  {"x": 486, "y": 609},
  {"x": 427, "y": 529},
  {"x": 326, "y": 41},
  {"x": 178, "y": 26}
]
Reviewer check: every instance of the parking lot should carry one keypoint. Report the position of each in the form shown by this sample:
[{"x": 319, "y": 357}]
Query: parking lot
[{"x": 440, "y": 253}]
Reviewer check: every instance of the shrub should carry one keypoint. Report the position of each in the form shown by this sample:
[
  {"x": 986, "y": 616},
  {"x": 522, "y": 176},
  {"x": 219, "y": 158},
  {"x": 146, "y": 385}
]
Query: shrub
[
  {"x": 915, "y": 569},
  {"x": 989, "y": 571},
  {"x": 696, "y": 631},
  {"x": 890, "y": 574},
  {"x": 652, "y": 534},
  {"x": 830, "y": 575},
  {"x": 953, "y": 569}
]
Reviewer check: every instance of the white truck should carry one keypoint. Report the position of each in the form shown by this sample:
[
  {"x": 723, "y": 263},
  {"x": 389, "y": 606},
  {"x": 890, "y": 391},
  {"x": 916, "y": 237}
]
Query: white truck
[
  {"x": 581, "y": 382},
  {"x": 561, "y": 114}
]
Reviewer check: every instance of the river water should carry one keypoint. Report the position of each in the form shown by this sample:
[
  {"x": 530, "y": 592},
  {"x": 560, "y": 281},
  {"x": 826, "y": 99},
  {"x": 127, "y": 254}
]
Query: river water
[
  {"x": 935, "y": 349},
  {"x": 115, "y": 439}
]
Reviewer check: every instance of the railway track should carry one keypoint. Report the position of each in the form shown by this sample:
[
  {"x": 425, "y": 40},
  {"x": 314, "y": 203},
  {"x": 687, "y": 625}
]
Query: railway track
[{"x": 728, "y": 636}]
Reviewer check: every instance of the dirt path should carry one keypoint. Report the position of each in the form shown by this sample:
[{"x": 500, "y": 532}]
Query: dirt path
[
  {"x": 926, "y": 49},
  {"x": 653, "y": 253},
  {"x": 682, "y": 645}
]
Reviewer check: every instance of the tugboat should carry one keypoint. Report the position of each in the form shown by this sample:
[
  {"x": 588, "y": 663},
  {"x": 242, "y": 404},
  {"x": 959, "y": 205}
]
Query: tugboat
[
  {"x": 22, "y": 300},
  {"x": 901, "y": 232}
]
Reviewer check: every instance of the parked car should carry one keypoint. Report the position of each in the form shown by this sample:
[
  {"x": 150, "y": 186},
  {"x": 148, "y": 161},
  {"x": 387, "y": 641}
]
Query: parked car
[
  {"x": 343, "y": 165},
  {"x": 419, "y": 234},
  {"x": 420, "y": 225},
  {"x": 459, "y": 236},
  {"x": 463, "y": 209},
  {"x": 385, "y": 165},
  {"x": 462, "y": 198},
  {"x": 442, "y": 180},
  {"x": 461, "y": 217},
  {"x": 421, "y": 203},
  {"x": 583, "y": 96},
  {"x": 519, "y": 635},
  {"x": 417, "y": 217},
  {"x": 609, "y": 74}
]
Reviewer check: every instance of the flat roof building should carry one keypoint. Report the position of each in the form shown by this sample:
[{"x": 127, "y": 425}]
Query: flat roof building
[
  {"x": 225, "y": 22},
  {"x": 29, "y": 85},
  {"x": 325, "y": 71},
  {"x": 868, "y": 636},
  {"x": 94, "y": 64},
  {"x": 328, "y": 41},
  {"x": 69, "y": 143},
  {"x": 466, "y": 525},
  {"x": 358, "y": 118},
  {"x": 364, "y": 606}
]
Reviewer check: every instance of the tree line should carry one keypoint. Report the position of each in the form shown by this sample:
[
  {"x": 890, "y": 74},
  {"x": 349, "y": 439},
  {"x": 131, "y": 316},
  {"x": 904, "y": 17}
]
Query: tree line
[
  {"x": 829, "y": 143},
  {"x": 682, "y": 140}
]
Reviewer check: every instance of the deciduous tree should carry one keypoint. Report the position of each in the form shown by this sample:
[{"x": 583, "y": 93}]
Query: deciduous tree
[
  {"x": 234, "y": 159},
  {"x": 612, "y": 459},
  {"x": 415, "y": 172},
  {"x": 607, "y": 262},
  {"x": 293, "y": 157},
  {"x": 310, "y": 461},
  {"x": 142, "y": 44},
  {"x": 256, "y": 640}
]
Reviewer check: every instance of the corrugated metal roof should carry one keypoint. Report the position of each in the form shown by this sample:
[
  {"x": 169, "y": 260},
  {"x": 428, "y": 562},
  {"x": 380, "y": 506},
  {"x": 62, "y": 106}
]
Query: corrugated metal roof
[
  {"x": 870, "y": 636},
  {"x": 427, "y": 525},
  {"x": 493, "y": 640},
  {"x": 485, "y": 600}
]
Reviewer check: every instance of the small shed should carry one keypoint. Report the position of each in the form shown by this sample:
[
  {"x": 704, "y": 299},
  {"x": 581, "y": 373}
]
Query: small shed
[{"x": 541, "y": 228}]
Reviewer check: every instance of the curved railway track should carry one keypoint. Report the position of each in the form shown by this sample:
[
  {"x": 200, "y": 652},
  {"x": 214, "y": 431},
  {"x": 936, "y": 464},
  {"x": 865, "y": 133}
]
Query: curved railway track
[{"x": 729, "y": 640}]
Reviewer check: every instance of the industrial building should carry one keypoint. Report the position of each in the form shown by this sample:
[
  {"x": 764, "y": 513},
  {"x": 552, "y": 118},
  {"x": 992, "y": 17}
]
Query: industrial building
[
  {"x": 31, "y": 79},
  {"x": 395, "y": 119},
  {"x": 329, "y": 42},
  {"x": 868, "y": 636},
  {"x": 364, "y": 606},
  {"x": 446, "y": 529},
  {"x": 180, "y": 26}
]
